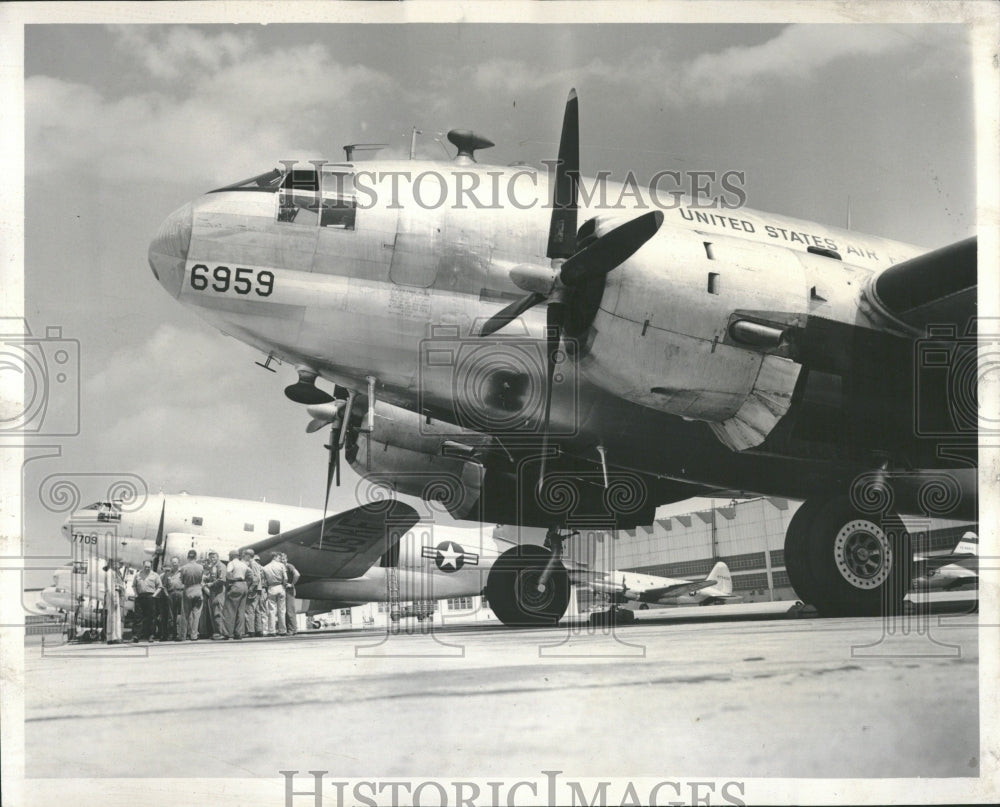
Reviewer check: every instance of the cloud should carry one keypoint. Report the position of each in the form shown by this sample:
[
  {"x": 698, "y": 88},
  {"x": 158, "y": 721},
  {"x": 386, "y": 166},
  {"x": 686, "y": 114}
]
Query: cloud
[
  {"x": 175, "y": 407},
  {"x": 220, "y": 106},
  {"x": 794, "y": 56},
  {"x": 168, "y": 54}
]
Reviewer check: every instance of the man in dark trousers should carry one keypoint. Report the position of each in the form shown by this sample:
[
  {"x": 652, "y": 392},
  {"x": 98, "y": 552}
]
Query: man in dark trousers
[
  {"x": 146, "y": 584},
  {"x": 291, "y": 626},
  {"x": 192, "y": 574}
]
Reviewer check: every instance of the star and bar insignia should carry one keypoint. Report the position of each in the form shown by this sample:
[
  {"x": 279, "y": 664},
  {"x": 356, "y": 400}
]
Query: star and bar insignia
[{"x": 449, "y": 556}]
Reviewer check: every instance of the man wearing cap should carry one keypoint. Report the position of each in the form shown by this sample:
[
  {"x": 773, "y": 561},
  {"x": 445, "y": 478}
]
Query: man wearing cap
[
  {"x": 291, "y": 626},
  {"x": 192, "y": 576},
  {"x": 275, "y": 579},
  {"x": 215, "y": 574},
  {"x": 237, "y": 583}
]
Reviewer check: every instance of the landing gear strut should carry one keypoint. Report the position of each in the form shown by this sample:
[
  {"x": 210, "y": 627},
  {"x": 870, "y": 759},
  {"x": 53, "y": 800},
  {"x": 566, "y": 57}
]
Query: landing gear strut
[
  {"x": 845, "y": 562},
  {"x": 528, "y": 585}
]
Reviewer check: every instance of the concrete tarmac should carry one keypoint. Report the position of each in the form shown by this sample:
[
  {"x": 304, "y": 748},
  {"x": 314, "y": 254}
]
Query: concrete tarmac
[{"x": 789, "y": 698}]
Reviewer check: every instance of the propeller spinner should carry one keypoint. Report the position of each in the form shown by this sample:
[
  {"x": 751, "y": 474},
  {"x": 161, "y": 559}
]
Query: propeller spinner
[{"x": 572, "y": 271}]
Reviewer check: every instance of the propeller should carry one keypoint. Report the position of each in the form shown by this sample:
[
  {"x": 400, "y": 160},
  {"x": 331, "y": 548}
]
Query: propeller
[
  {"x": 336, "y": 413},
  {"x": 572, "y": 270}
]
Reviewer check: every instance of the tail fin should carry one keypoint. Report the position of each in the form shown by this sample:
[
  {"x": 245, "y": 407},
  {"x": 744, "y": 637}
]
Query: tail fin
[
  {"x": 721, "y": 577},
  {"x": 969, "y": 545}
]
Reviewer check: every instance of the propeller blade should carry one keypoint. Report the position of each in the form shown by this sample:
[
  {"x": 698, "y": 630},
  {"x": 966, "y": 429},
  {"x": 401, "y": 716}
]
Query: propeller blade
[
  {"x": 554, "y": 316},
  {"x": 511, "y": 312},
  {"x": 611, "y": 250},
  {"x": 334, "y": 456},
  {"x": 562, "y": 227}
]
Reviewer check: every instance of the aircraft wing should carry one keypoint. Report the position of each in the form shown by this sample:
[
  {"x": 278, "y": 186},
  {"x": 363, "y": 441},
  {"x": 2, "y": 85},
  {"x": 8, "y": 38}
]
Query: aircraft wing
[
  {"x": 931, "y": 563},
  {"x": 349, "y": 545},
  {"x": 675, "y": 590}
]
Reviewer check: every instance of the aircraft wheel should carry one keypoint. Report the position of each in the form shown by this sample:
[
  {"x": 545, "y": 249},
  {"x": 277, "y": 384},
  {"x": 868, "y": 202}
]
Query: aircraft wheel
[
  {"x": 847, "y": 563},
  {"x": 512, "y": 588},
  {"x": 644, "y": 606},
  {"x": 797, "y": 547}
]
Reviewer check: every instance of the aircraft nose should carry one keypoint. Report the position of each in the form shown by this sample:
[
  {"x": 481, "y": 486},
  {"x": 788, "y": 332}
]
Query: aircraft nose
[{"x": 169, "y": 248}]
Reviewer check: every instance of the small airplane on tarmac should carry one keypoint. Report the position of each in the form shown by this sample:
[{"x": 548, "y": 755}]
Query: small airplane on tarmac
[
  {"x": 952, "y": 571},
  {"x": 646, "y": 589},
  {"x": 362, "y": 555},
  {"x": 681, "y": 350}
]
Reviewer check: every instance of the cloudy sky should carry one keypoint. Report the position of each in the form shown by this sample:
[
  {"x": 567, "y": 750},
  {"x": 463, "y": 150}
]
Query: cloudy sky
[{"x": 125, "y": 123}]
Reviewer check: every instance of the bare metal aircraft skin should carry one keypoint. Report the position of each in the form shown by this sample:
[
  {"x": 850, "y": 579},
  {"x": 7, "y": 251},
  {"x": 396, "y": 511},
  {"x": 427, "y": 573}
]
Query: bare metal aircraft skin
[{"x": 639, "y": 354}]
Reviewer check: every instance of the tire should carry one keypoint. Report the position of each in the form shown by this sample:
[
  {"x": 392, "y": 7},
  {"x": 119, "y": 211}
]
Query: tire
[
  {"x": 511, "y": 588},
  {"x": 848, "y": 563},
  {"x": 797, "y": 548}
]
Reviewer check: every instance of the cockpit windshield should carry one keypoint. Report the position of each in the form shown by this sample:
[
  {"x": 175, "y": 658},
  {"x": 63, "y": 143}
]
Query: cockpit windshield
[
  {"x": 106, "y": 511},
  {"x": 268, "y": 183}
]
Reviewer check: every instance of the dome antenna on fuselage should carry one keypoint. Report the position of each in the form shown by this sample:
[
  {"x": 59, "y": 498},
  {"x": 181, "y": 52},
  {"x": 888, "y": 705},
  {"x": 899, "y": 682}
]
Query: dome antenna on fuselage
[{"x": 467, "y": 142}]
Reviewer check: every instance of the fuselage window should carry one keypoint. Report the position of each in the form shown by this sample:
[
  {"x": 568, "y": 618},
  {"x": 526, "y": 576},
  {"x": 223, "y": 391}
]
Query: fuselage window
[
  {"x": 273, "y": 527},
  {"x": 196, "y": 521},
  {"x": 248, "y": 527}
]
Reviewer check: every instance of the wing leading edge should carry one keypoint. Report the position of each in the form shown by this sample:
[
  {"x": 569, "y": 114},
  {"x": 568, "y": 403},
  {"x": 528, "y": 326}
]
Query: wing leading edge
[{"x": 349, "y": 545}]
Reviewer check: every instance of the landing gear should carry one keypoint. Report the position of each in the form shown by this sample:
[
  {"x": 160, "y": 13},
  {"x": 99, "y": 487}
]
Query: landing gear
[
  {"x": 528, "y": 586},
  {"x": 848, "y": 563}
]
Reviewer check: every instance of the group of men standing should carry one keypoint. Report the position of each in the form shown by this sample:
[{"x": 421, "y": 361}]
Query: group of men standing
[{"x": 222, "y": 600}]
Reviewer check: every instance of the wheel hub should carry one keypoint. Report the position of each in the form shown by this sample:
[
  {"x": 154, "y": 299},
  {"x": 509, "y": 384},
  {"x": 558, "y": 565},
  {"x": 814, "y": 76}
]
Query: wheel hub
[
  {"x": 863, "y": 554},
  {"x": 530, "y": 595}
]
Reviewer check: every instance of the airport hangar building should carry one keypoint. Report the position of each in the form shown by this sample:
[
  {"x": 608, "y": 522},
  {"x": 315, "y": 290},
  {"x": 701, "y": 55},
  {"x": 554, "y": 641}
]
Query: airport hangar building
[{"x": 748, "y": 535}]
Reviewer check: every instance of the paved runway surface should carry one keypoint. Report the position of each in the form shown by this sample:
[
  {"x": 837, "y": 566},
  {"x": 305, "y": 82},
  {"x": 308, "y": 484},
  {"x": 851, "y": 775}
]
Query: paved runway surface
[{"x": 789, "y": 698}]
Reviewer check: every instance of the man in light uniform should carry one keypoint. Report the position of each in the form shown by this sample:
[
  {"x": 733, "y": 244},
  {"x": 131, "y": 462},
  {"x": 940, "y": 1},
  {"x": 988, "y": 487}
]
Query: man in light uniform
[
  {"x": 291, "y": 626},
  {"x": 192, "y": 576},
  {"x": 114, "y": 598},
  {"x": 256, "y": 597},
  {"x": 216, "y": 583},
  {"x": 275, "y": 579},
  {"x": 237, "y": 583},
  {"x": 174, "y": 587}
]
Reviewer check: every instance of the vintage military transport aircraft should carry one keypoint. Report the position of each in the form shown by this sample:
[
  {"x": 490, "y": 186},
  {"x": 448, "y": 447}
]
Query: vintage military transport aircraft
[
  {"x": 679, "y": 351},
  {"x": 377, "y": 553},
  {"x": 374, "y": 553}
]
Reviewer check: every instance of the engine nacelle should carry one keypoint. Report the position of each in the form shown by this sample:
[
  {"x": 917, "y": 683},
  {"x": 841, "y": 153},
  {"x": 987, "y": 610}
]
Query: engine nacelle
[
  {"x": 667, "y": 335},
  {"x": 405, "y": 455}
]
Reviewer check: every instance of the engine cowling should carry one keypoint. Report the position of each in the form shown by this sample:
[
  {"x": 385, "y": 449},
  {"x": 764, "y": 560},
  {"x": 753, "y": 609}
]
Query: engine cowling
[
  {"x": 667, "y": 335},
  {"x": 406, "y": 455}
]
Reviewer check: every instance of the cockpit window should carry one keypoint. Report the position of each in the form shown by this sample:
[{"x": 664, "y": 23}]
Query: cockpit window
[
  {"x": 325, "y": 198},
  {"x": 106, "y": 511},
  {"x": 299, "y": 198},
  {"x": 339, "y": 204},
  {"x": 268, "y": 183}
]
